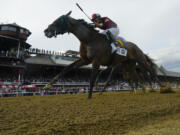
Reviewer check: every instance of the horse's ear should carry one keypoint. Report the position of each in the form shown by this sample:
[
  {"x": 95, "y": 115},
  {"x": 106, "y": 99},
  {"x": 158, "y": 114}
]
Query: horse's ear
[{"x": 68, "y": 13}]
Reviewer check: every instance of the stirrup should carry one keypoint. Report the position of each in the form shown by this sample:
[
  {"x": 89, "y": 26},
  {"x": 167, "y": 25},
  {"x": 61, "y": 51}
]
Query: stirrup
[
  {"x": 110, "y": 36},
  {"x": 116, "y": 43}
]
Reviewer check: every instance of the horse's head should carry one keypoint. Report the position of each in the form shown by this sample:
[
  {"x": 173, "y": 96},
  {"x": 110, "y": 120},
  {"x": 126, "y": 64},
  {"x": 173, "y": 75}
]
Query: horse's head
[{"x": 59, "y": 26}]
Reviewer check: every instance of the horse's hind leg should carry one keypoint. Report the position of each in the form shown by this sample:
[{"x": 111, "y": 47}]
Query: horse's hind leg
[
  {"x": 114, "y": 68},
  {"x": 141, "y": 80},
  {"x": 141, "y": 85},
  {"x": 131, "y": 84},
  {"x": 98, "y": 76},
  {"x": 107, "y": 81},
  {"x": 146, "y": 74}
]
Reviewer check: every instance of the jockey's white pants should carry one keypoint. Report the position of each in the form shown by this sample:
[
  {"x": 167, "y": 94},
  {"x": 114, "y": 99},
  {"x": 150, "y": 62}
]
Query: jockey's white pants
[
  {"x": 115, "y": 32},
  {"x": 113, "y": 47}
]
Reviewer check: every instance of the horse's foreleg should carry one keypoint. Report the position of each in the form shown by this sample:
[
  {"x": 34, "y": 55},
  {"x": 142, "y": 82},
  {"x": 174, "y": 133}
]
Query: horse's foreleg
[
  {"x": 95, "y": 71},
  {"x": 97, "y": 78},
  {"x": 78, "y": 63}
]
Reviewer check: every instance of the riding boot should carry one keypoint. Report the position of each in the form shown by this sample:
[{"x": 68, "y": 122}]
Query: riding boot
[
  {"x": 112, "y": 38},
  {"x": 113, "y": 48}
]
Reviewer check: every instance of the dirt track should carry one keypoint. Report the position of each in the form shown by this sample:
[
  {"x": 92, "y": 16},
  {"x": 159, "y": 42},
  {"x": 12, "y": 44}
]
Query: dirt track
[{"x": 111, "y": 114}]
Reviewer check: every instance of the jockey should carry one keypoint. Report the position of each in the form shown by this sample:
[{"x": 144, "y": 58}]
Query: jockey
[{"x": 110, "y": 28}]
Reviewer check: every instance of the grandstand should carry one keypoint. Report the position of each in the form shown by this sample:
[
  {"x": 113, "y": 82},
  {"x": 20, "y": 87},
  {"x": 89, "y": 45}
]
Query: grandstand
[{"x": 26, "y": 70}]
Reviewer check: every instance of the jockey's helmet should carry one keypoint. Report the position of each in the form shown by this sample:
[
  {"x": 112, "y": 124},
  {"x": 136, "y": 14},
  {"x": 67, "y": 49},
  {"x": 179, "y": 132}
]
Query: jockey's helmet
[{"x": 96, "y": 16}]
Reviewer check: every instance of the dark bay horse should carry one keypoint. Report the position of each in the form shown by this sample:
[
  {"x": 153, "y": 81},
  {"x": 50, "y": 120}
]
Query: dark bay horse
[{"x": 94, "y": 48}]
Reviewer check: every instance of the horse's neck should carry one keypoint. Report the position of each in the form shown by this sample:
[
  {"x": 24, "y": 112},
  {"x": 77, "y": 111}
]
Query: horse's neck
[{"x": 82, "y": 34}]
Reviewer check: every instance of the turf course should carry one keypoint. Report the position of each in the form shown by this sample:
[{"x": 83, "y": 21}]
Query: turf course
[{"x": 113, "y": 113}]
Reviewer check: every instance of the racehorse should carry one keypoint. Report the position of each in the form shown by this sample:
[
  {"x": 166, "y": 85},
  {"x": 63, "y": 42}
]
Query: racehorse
[{"x": 94, "y": 48}]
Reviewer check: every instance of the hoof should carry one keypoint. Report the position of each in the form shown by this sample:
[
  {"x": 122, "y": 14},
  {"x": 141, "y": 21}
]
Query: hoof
[
  {"x": 48, "y": 86},
  {"x": 89, "y": 96}
]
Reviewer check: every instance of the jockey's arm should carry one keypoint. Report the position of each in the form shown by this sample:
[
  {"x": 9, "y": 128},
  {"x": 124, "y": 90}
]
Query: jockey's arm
[
  {"x": 98, "y": 24},
  {"x": 92, "y": 24}
]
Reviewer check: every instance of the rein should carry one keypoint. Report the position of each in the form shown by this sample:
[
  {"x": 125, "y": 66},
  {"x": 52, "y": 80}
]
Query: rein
[{"x": 64, "y": 24}]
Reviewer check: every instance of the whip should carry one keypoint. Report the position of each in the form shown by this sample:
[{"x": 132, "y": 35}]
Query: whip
[{"x": 83, "y": 11}]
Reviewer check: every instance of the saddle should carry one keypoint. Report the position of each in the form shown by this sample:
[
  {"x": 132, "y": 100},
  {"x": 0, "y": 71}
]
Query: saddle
[{"x": 120, "y": 41}]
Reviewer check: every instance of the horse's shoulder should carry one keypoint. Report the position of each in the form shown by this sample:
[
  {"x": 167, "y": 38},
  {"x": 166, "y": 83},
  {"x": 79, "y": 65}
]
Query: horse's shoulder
[{"x": 103, "y": 37}]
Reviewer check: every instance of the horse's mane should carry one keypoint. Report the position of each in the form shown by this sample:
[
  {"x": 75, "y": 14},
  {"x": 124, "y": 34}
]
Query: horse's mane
[{"x": 82, "y": 21}]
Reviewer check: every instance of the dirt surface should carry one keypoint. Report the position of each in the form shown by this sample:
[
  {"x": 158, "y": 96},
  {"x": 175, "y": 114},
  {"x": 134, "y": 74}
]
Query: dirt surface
[{"x": 118, "y": 113}]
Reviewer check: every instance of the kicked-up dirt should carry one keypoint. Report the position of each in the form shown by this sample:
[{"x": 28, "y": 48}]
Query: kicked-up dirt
[{"x": 113, "y": 113}]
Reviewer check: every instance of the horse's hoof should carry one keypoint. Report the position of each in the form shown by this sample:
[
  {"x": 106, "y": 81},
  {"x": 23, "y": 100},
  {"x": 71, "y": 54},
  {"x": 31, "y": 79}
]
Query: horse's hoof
[
  {"x": 49, "y": 86},
  {"x": 89, "y": 96}
]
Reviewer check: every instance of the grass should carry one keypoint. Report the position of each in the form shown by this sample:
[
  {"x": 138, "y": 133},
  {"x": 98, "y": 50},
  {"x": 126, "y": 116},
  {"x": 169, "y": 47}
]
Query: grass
[{"x": 110, "y": 114}]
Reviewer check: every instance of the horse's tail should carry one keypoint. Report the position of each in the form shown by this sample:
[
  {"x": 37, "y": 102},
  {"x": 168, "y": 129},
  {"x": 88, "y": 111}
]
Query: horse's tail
[
  {"x": 152, "y": 64},
  {"x": 154, "y": 69}
]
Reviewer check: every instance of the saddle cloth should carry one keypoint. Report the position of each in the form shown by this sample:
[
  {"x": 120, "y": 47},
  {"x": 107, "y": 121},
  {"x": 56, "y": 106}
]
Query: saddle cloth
[
  {"x": 121, "y": 50},
  {"x": 121, "y": 41}
]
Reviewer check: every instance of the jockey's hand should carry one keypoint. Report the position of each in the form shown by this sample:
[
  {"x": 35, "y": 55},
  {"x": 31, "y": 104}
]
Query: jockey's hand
[
  {"x": 92, "y": 24},
  {"x": 98, "y": 24}
]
